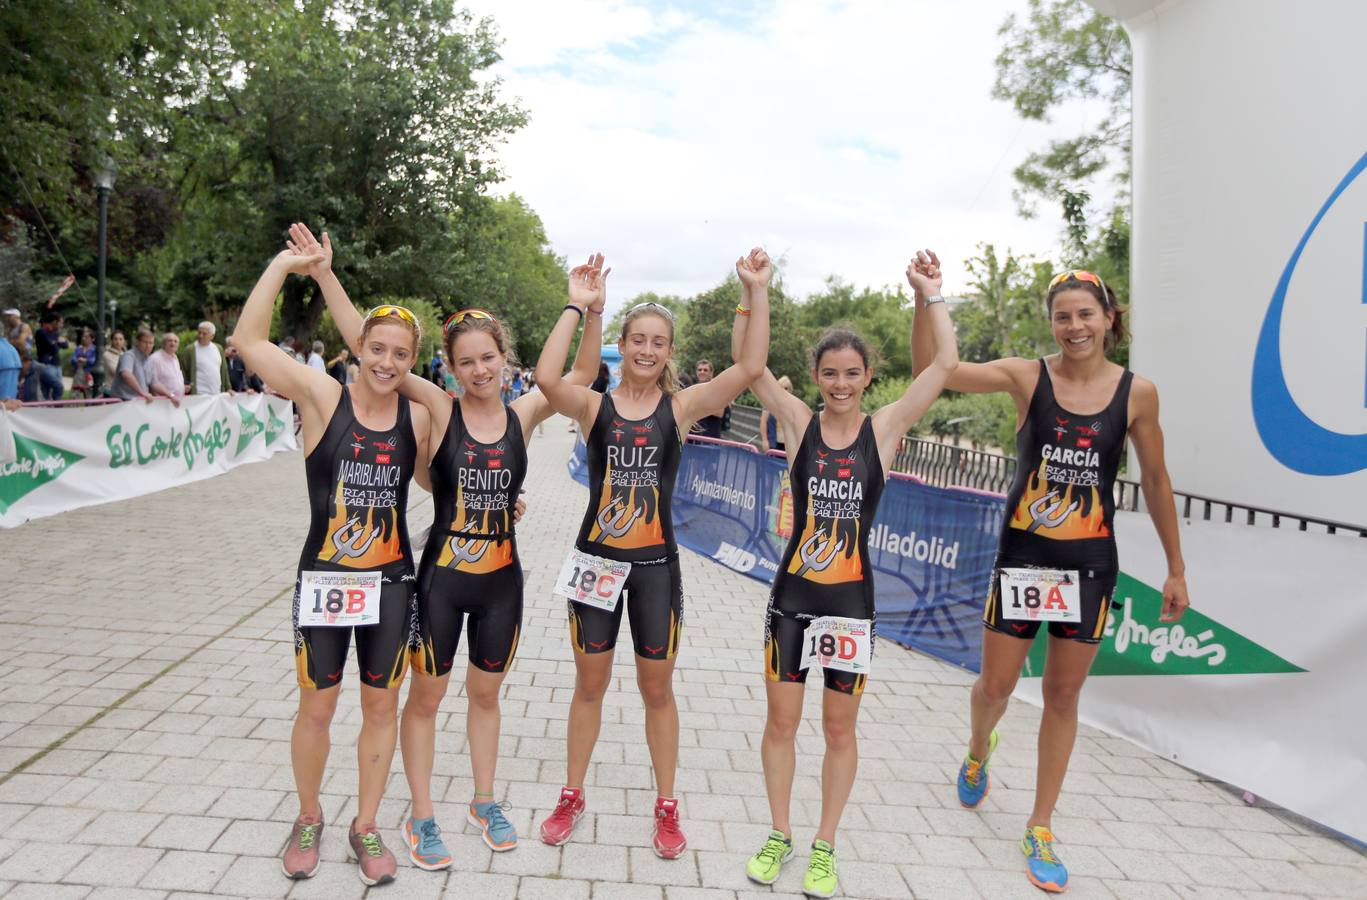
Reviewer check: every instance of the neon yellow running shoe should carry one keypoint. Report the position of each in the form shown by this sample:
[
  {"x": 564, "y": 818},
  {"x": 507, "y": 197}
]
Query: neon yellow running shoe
[
  {"x": 820, "y": 880},
  {"x": 764, "y": 866}
]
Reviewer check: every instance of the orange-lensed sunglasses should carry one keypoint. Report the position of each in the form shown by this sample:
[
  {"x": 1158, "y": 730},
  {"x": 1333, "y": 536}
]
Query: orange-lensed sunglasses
[
  {"x": 457, "y": 317},
  {"x": 397, "y": 312}
]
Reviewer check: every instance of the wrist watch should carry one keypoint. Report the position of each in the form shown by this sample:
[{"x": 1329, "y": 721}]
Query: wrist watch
[{"x": 934, "y": 299}]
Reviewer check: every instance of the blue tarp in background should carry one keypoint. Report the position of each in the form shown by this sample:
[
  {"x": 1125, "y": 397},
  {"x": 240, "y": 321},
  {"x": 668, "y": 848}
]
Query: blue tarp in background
[{"x": 932, "y": 548}]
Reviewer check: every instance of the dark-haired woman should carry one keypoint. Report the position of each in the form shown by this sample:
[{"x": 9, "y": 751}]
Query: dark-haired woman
[
  {"x": 1057, "y": 559},
  {"x": 821, "y": 606},
  {"x": 470, "y": 575},
  {"x": 634, "y": 436},
  {"x": 361, "y": 444}
]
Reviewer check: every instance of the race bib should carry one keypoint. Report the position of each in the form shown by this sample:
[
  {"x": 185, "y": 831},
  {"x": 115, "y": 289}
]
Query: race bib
[
  {"x": 832, "y": 642},
  {"x": 339, "y": 599},
  {"x": 1040, "y": 595},
  {"x": 592, "y": 580}
]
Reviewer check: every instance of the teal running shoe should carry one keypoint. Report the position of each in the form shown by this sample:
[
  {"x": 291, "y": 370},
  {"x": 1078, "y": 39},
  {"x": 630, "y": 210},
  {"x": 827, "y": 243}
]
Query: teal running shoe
[
  {"x": 973, "y": 780},
  {"x": 1042, "y": 867},
  {"x": 494, "y": 827},
  {"x": 425, "y": 847}
]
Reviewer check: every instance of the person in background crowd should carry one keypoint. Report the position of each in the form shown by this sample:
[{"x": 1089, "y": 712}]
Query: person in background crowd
[
  {"x": 163, "y": 368},
  {"x": 83, "y": 364},
  {"x": 707, "y": 426},
  {"x": 240, "y": 378},
  {"x": 337, "y": 367},
  {"x": 202, "y": 364},
  {"x": 287, "y": 345},
  {"x": 20, "y": 335},
  {"x": 316, "y": 357},
  {"x": 353, "y": 371},
  {"x": 434, "y": 366},
  {"x": 48, "y": 343},
  {"x": 517, "y": 382},
  {"x": 600, "y": 384},
  {"x": 770, "y": 437},
  {"x": 10, "y": 367},
  {"x": 118, "y": 343},
  {"x": 134, "y": 378}
]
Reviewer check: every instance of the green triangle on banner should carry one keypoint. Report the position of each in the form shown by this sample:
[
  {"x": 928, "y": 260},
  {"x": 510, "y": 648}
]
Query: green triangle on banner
[
  {"x": 251, "y": 427},
  {"x": 1136, "y": 643},
  {"x": 34, "y": 465},
  {"x": 275, "y": 426}
]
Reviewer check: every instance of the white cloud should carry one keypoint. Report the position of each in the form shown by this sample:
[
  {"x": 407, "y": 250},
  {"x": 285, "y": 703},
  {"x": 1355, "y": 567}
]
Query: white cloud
[{"x": 840, "y": 135}]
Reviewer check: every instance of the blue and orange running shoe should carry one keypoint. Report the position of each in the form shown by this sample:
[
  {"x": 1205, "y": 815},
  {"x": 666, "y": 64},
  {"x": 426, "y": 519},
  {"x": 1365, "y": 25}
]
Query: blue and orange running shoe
[
  {"x": 494, "y": 827},
  {"x": 1042, "y": 867},
  {"x": 973, "y": 780},
  {"x": 425, "y": 847}
]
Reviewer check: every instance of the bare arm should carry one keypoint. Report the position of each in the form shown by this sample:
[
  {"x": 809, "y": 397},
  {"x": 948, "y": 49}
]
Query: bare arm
[
  {"x": 586, "y": 286},
  {"x": 712, "y": 397},
  {"x": 532, "y": 407},
  {"x": 1153, "y": 480},
  {"x": 791, "y": 412}
]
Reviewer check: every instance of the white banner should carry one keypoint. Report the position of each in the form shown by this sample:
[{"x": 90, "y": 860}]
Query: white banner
[
  {"x": 1260, "y": 684},
  {"x": 65, "y": 458}
]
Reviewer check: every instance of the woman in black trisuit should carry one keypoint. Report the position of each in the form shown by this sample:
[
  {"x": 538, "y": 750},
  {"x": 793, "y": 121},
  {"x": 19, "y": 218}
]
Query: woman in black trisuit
[
  {"x": 361, "y": 444},
  {"x": 634, "y": 439},
  {"x": 1057, "y": 555},
  {"x": 470, "y": 570},
  {"x": 837, "y": 470}
]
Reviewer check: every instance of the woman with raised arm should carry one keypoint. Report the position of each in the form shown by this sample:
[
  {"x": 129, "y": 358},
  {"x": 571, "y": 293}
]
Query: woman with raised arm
[
  {"x": 821, "y": 607},
  {"x": 361, "y": 445},
  {"x": 1057, "y": 560},
  {"x": 470, "y": 574},
  {"x": 625, "y": 555}
]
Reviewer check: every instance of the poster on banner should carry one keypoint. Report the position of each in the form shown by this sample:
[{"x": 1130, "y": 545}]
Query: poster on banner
[
  {"x": 68, "y": 457},
  {"x": 1233, "y": 672}
]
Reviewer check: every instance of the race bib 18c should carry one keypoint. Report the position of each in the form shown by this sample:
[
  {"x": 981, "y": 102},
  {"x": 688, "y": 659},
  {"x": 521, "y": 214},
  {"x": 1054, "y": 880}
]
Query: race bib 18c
[
  {"x": 1040, "y": 595},
  {"x": 833, "y": 642},
  {"x": 339, "y": 599},
  {"x": 592, "y": 580}
]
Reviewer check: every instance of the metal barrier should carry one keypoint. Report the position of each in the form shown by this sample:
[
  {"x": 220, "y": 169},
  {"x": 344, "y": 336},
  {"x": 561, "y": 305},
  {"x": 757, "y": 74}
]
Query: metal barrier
[{"x": 944, "y": 465}]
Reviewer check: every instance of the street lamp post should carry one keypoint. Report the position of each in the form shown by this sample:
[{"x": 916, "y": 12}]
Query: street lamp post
[{"x": 104, "y": 183}]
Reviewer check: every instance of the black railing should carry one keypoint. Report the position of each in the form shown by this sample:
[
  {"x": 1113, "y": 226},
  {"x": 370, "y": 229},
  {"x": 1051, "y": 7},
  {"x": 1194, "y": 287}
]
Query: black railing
[{"x": 944, "y": 465}]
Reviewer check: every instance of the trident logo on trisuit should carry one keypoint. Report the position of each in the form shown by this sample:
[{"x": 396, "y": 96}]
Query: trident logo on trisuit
[
  {"x": 347, "y": 540},
  {"x": 461, "y": 547},
  {"x": 616, "y": 519},
  {"x": 1048, "y": 511},
  {"x": 817, "y": 553}
]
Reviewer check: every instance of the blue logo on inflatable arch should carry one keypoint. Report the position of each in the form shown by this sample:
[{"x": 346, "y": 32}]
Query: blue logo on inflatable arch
[{"x": 1293, "y": 438}]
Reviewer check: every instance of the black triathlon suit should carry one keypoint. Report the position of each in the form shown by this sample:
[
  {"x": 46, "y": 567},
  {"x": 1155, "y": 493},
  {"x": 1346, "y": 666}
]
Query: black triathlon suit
[
  {"x": 470, "y": 566},
  {"x": 358, "y": 502},
  {"x": 632, "y": 464},
  {"x": 826, "y": 570},
  {"x": 1061, "y": 508}
]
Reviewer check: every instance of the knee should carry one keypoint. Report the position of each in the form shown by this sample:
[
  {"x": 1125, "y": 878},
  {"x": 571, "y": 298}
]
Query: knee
[
  {"x": 590, "y": 688},
  {"x": 1061, "y": 696},
  {"x": 781, "y": 726},
  {"x": 316, "y": 716},
  {"x": 481, "y": 699},
  {"x": 840, "y": 733},
  {"x": 656, "y": 693},
  {"x": 994, "y": 689},
  {"x": 423, "y": 704},
  {"x": 380, "y": 709}
]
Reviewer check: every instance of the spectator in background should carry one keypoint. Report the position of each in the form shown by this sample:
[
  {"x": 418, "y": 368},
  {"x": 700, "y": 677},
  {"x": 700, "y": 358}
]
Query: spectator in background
[
  {"x": 707, "y": 426},
  {"x": 604, "y": 379},
  {"x": 316, "y": 357},
  {"x": 770, "y": 435},
  {"x": 507, "y": 388},
  {"x": 240, "y": 378},
  {"x": 20, "y": 336},
  {"x": 202, "y": 364},
  {"x": 337, "y": 367},
  {"x": 163, "y": 368},
  {"x": 288, "y": 346},
  {"x": 117, "y": 345},
  {"x": 133, "y": 379},
  {"x": 83, "y": 364},
  {"x": 10, "y": 367},
  {"x": 517, "y": 382},
  {"x": 48, "y": 344}
]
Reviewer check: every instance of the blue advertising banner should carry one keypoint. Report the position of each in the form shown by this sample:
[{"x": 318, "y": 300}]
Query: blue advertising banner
[{"x": 932, "y": 548}]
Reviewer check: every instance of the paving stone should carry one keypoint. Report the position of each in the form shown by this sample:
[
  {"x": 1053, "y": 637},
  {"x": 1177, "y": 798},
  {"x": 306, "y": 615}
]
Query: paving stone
[{"x": 115, "y": 866}]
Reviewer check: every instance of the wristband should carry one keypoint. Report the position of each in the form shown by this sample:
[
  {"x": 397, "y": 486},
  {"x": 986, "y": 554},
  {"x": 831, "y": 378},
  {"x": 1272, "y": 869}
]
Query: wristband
[
  {"x": 575, "y": 308},
  {"x": 934, "y": 299},
  {"x": 741, "y": 310}
]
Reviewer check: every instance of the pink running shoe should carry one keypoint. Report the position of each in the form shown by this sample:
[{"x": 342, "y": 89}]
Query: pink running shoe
[
  {"x": 669, "y": 837},
  {"x": 559, "y": 825},
  {"x": 300, "y": 859},
  {"x": 377, "y": 864}
]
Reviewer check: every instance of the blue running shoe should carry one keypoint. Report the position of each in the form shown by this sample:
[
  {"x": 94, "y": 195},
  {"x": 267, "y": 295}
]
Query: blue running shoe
[
  {"x": 973, "y": 780},
  {"x": 1042, "y": 867},
  {"x": 425, "y": 846},
  {"x": 495, "y": 828}
]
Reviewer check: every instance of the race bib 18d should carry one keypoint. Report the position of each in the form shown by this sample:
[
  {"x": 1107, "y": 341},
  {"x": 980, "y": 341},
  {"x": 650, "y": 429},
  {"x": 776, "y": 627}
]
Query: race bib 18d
[{"x": 833, "y": 642}]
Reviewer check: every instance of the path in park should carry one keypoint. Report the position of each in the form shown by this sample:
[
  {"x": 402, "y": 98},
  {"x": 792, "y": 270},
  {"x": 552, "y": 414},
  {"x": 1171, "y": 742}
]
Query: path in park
[{"x": 147, "y": 691}]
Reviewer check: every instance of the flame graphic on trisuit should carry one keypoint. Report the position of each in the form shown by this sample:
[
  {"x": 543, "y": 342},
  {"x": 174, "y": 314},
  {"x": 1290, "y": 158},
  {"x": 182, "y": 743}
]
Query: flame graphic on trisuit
[
  {"x": 473, "y": 554},
  {"x": 627, "y": 517},
  {"x": 357, "y": 538},
  {"x": 828, "y": 552},
  {"x": 1065, "y": 512}
]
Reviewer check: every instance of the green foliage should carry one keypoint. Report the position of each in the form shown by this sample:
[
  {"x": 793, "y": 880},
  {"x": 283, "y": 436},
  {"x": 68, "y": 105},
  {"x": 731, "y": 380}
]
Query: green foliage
[
  {"x": 883, "y": 317},
  {"x": 1004, "y": 315},
  {"x": 987, "y": 421}
]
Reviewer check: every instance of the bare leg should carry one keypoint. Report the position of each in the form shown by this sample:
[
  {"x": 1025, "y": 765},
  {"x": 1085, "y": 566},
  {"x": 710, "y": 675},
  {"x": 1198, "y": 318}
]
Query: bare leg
[
  {"x": 418, "y": 737},
  {"x": 777, "y": 752},
  {"x": 375, "y": 749},
  {"x": 309, "y": 746},
  {"x": 655, "y": 678},
  {"x": 593, "y": 673},
  {"x": 1064, "y": 673},
  {"x": 839, "y": 713},
  {"x": 1003, "y": 657},
  {"x": 482, "y": 723}
]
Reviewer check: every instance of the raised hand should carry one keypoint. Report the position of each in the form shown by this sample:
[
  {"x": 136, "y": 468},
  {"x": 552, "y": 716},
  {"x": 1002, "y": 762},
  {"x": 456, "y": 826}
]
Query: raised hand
[
  {"x": 755, "y": 269},
  {"x": 588, "y": 288},
  {"x": 295, "y": 263},
  {"x": 924, "y": 274},
  {"x": 303, "y": 243}
]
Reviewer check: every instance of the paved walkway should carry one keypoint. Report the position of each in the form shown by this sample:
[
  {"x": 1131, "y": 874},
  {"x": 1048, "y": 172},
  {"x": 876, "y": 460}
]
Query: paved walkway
[{"x": 147, "y": 692}]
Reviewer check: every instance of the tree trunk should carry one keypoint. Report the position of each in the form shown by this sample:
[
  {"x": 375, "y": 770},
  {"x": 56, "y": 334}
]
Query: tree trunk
[{"x": 302, "y": 308}]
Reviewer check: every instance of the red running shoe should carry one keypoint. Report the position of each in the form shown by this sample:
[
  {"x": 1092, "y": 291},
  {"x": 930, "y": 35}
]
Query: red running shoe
[
  {"x": 559, "y": 825},
  {"x": 669, "y": 837}
]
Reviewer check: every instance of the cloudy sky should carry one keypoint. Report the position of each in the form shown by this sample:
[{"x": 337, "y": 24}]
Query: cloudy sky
[{"x": 838, "y": 135}]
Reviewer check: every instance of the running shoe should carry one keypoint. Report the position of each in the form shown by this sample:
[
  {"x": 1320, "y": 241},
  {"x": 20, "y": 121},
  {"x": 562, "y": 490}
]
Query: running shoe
[
  {"x": 820, "y": 880},
  {"x": 669, "y": 837},
  {"x": 496, "y": 830},
  {"x": 1042, "y": 867},
  {"x": 559, "y": 825},
  {"x": 425, "y": 847},
  {"x": 300, "y": 859},
  {"x": 377, "y": 864},
  {"x": 973, "y": 780},
  {"x": 765, "y": 865}
]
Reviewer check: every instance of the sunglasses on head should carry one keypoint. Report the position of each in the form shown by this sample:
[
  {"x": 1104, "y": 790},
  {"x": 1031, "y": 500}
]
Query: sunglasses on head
[
  {"x": 457, "y": 317},
  {"x": 654, "y": 307},
  {"x": 397, "y": 312},
  {"x": 1081, "y": 275}
]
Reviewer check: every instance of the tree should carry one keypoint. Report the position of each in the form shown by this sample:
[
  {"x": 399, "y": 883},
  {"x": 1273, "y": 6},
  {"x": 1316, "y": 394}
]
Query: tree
[
  {"x": 883, "y": 317},
  {"x": 1004, "y": 314}
]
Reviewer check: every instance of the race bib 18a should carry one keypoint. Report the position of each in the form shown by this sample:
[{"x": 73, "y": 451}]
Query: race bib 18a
[{"x": 1040, "y": 595}]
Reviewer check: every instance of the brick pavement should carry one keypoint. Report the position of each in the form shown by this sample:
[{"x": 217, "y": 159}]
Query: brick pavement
[{"x": 147, "y": 692}]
